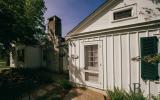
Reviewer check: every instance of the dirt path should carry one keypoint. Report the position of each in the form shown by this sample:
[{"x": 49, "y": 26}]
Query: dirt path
[{"x": 83, "y": 94}]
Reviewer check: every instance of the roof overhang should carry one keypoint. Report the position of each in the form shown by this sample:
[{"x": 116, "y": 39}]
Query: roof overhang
[{"x": 120, "y": 30}]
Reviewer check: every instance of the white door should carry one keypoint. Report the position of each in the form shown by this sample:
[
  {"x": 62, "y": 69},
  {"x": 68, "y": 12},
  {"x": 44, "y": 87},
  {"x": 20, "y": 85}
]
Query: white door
[{"x": 92, "y": 64}]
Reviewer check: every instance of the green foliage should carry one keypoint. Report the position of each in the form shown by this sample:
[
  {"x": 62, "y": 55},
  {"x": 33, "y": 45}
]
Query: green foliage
[
  {"x": 155, "y": 97},
  {"x": 156, "y": 1},
  {"x": 154, "y": 58},
  {"x": 119, "y": 94},
  {"x": 38, "y": 75},
  {"x": 19, "y": 81},
  {"x": 21, "y": 21},
  {"x": 2, "y": 64},
  {"x": 64, "y": 84},
  {"x": 135, "y": 96}
]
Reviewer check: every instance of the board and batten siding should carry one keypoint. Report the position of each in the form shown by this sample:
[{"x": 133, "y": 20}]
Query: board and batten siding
[
  {"x": 33, "y": 57},
  {"x": 119, "y": 70}
]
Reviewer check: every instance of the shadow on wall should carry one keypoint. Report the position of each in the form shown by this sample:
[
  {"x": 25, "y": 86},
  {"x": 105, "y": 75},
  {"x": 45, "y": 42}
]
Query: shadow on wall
[{"x": 75, "y": 72}]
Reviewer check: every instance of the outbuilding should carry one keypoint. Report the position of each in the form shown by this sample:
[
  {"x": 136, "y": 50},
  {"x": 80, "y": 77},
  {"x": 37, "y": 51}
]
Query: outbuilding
[{"x": 106, "y": 48}]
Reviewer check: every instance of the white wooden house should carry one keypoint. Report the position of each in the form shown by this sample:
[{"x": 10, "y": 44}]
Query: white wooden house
[{"x": 105, "y": 48}]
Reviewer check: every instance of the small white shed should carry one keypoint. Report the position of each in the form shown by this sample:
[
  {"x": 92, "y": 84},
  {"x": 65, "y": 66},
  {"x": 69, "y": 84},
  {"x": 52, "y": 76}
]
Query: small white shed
[
  {"x": 103, "y": 46},
  {"x": 27, "y": 57}
]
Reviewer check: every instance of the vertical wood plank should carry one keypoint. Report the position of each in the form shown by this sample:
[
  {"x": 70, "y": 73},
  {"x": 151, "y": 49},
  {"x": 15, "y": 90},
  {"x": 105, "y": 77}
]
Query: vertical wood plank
[
  {"x": 81, "y": 67},
  {"x": 104, "y": 61},
  {"x": 77, "y": 73},
  {"x": 125, "y": 62},
  {"x": 134, "y": 53},
  {"x": 110, "y": 62},
  {"x": 69, "y": 59},
  {"x": 117, "y": 61},
  {"x": 73, "y": 67}
]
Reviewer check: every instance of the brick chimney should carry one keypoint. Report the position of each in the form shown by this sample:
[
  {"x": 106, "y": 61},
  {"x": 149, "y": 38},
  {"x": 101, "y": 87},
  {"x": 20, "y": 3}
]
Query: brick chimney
[
  {"x": 54, "y": 60},
  {"x": 54, "y": 25}
]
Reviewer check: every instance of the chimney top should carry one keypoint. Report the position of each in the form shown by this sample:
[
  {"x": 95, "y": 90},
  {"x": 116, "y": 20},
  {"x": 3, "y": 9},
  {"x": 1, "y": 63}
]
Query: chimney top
[{"x": 51, "y": 18}]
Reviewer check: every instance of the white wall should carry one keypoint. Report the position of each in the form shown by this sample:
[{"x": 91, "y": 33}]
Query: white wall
[
  {"x": 139, "y": 15},
  {"x": 117, "y": 48},
  {"x": 118, "y": 68}
]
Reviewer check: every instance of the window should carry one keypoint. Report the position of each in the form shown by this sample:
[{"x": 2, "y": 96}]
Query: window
[
  {"x": 122, "y": 14},
  {"x": 91, "y": 57},
  {"x": 21, "y": 55},
  {"x": 91, "y": 77}
]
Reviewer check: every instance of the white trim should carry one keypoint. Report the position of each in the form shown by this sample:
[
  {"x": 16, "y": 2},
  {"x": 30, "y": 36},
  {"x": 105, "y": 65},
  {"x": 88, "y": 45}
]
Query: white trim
[
  {"x": 115, "y": 34},
  {"x": 100, "y": 71},
  {"x": 124, "y": 19},
  {"x": 133, "y": 8},
  {"x": 115, "y": 29}
]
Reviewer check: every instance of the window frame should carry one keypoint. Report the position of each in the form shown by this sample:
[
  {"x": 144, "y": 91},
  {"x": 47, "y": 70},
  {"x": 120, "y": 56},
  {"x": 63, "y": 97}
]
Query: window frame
[
  {"x": 92, "y": 41},
  {"x": 126, "y": 7},
  {"x": 89, "y": 60},
  {"x": 114, "y": 13}
]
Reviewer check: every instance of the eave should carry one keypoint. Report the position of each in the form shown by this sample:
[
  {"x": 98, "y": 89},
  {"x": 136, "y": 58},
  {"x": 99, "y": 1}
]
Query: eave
[{"x": 117, "y": 30}]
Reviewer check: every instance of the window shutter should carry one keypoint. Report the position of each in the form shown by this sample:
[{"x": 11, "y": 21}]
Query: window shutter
[{"x": 149, "y": 45}]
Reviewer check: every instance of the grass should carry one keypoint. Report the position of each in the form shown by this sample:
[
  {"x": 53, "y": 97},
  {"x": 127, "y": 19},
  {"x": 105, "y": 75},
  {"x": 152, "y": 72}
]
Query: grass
[{"x": 3, "y": 65}]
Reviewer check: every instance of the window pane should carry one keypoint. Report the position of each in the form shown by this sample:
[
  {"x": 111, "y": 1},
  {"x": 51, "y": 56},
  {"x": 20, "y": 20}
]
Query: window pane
[
  {"x": 91, "y": 77},
  {"x": 91, "y": 57},
  {"x": 123, "y": 14}
]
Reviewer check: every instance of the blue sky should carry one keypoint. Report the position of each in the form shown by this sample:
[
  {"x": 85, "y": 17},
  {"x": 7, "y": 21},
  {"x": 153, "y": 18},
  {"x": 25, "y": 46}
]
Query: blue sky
[{"x": 71, "y": 12}]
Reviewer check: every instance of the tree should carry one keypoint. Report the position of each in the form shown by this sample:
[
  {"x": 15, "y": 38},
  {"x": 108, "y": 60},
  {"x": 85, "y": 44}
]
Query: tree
[{"x": 21, "y": 22}]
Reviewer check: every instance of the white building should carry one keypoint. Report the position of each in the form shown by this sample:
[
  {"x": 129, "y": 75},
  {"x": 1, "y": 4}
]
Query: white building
[
  {"x": 104, "y": 48},
  {"x": 49, "y": 55},
  {"x": 27, "y": 57}
]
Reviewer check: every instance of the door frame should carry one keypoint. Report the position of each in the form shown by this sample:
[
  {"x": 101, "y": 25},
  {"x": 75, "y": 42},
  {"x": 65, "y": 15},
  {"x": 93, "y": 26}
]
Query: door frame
[{"x": 100, "y": 65}]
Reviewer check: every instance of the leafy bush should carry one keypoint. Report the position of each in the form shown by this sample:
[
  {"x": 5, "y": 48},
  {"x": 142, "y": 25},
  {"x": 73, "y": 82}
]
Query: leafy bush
[
  {"x": 38, "y": 75},
  {"x": 119, "y": 94},
  {"x": 135, "y": 96},
  {"x": 156, "y": 97},
  {"x": 64, "y": 84}
]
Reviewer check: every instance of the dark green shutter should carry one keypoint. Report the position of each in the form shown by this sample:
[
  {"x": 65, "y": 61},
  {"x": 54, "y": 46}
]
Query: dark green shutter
[{"x": 149, "y": 45}]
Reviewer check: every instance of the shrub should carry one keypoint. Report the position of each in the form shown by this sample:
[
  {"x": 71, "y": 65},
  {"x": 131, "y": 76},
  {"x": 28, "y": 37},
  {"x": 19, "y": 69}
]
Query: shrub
[
  {"x": 135, "y": 96},
  {"x": 156, "y": 97},
  {"x": 64, "y": 84},
  {"x": 119, "y": 94}
]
